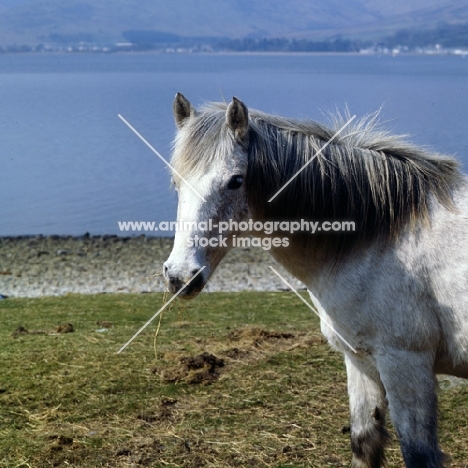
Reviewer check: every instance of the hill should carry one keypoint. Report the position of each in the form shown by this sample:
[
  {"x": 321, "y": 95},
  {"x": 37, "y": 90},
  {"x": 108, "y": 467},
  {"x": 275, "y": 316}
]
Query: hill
[{"x": 108, "y": 21}]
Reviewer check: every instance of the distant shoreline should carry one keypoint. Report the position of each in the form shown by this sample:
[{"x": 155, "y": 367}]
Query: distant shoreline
[
  {"x": 86, "y": 235},
  {"x": 35, "y": 266},
  {"x": 458, "y": 52}
]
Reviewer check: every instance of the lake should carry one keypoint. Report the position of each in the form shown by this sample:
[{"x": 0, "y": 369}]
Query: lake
[{"x": 69, "y": 165}]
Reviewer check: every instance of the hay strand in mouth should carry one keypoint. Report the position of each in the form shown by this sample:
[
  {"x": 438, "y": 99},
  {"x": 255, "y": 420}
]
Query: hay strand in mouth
[
  {"x": 151, "y": 277},
  {"x": 181, "y": 309},
  {"x": 160, "y": 310},
  {"x": 165, "y": 299}
]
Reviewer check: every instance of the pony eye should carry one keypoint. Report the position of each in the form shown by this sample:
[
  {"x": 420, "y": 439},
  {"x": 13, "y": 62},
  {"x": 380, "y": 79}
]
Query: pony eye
[{"x": 235, "y": 182}]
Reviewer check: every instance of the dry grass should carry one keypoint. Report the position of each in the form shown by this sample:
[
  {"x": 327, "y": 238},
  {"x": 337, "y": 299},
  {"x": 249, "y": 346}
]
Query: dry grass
[{"x": 240, "y": 380}]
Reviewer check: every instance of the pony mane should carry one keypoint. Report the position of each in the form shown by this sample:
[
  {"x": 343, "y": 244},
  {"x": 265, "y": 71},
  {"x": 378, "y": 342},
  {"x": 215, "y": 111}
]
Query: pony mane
[{"x": 365, "y": 174}]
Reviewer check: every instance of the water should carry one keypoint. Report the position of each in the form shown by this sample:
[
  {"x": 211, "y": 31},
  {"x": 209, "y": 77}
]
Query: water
[{"x": 69, "y": 165}]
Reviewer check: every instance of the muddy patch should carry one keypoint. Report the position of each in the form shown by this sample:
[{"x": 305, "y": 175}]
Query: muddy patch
[
  {"x": 62, "y": 328},
  {"x": 258, "y": 335},
  {"x": 237, "y": 354},
  {"x": 253, "y": 343},
  {"x": 65, "y": 328},
  {"x": 105, "y": 324},
  {"x": 202, "y": 369},
  {"x": 167, "y": 411},
  {"x": 140, "y": 451},
  {"x": 22, "y": 331},
  {"x": 243, "y": 345}
]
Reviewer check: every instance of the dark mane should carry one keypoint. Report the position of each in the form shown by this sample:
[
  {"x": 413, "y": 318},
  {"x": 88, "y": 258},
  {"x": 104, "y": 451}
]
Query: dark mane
[{"x": 366, "y": 176}]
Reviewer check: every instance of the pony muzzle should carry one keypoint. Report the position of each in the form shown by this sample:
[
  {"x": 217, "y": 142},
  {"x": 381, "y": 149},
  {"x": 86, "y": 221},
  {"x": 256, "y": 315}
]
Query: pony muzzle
[{"x": 187, "y": 287}]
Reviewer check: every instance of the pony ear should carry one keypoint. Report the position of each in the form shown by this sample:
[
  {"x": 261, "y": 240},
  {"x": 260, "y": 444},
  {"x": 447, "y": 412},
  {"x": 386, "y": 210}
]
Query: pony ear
[
  {"x": 237, "y": 118},
  {"x": 182, "y": 109}
]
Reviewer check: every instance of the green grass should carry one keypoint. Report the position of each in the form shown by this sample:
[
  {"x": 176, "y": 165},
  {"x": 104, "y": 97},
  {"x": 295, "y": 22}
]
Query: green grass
[{"x": 279, "y": 401}]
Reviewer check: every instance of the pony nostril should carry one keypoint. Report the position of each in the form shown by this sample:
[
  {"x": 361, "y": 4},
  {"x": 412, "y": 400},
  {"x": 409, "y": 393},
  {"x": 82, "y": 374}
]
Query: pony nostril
[
  {"x": 199, "y": 276},
  {"x": 165, "y": 270},
  {"x": 197, "y": 281}
]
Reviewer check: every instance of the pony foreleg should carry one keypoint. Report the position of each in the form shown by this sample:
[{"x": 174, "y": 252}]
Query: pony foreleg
[
  {"x": 368, "y": 408},
  {"x": 410, "y": 387}
]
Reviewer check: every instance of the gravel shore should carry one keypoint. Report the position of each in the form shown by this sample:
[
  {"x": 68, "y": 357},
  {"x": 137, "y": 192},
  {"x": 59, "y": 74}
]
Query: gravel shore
[{"x": 54, "y": 265}]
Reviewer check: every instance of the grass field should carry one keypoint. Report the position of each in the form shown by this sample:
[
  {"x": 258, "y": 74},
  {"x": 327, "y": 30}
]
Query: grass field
[{"x": 240, "y": 379}]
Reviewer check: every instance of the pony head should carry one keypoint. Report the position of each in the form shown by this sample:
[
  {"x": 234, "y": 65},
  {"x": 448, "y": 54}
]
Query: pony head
[
  {"x": 210, "y": 164},
  {"x": 228, "y": 164}
]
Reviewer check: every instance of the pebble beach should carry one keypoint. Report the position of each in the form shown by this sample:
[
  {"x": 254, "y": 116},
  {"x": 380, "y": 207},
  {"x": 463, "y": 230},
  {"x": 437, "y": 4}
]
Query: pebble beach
[{"x": 34, "y": 266}]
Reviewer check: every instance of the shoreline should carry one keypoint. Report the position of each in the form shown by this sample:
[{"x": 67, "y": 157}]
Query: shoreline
[
  {"x": 452, "y": 51},
  {"x": 35, "y": 266}
]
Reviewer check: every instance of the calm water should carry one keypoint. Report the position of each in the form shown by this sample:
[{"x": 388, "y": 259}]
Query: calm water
[{"x": 69, "y": 165}]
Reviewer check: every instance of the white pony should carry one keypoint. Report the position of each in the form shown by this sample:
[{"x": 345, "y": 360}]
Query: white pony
[{"x": 396, "y": 289}]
